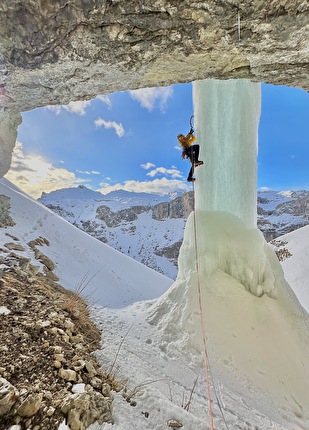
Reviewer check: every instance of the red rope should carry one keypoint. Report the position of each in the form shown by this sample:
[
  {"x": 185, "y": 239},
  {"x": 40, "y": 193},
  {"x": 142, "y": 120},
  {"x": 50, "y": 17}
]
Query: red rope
[{"x": 202, "y": 318}]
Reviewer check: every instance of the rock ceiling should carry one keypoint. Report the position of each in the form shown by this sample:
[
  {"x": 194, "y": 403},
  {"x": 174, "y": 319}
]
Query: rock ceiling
[{"x": 53, "y": 52}]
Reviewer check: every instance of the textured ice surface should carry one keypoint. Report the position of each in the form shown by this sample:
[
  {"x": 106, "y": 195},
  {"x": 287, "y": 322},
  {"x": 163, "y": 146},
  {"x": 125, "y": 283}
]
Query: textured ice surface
[{"x": 227, "y": 115}]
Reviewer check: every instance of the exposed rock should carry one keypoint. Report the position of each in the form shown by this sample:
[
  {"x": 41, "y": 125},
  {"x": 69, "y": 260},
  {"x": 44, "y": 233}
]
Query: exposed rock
[
  {"x": 40, "y": 241},
  {"x": 30, "y": 405},
  {"x": 8, "y": 395},
  {"x": 85, "y": 408},
  {"x": 14, "y": 246},
  {"x": 31, "y": 343},
  {"x": 48, "y": 263},
  {"x": 280, "y": 249},
  {"x": 5, "y": 218},
  {"x": 276, "y": 221},
  {"x": 181, "y": 207},
  {"x": 90, "y": 369},
  {"x": 60, "y": 211},
  {"x": 170, "y": 252},
  {"x": 174, "y": 424},
  {"x": 9, "y": 120},
  {"x": 67, "y": 374},
  {"x": 114, "y": 219},
  {"x": 54, "y": 52},
  {"x": 11, "y": 235}
]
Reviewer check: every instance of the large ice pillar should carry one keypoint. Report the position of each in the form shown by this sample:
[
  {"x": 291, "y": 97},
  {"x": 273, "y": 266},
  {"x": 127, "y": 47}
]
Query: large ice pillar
[{"x": 227, "y": 115}]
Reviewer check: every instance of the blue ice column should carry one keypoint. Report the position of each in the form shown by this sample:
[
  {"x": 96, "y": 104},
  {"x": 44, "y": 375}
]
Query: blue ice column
[{"x": 227, "y": 116}]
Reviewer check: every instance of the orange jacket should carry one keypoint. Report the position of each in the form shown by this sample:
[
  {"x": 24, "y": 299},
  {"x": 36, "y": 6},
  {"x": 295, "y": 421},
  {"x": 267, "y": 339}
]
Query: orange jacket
[{"x": 186, "y": 141}]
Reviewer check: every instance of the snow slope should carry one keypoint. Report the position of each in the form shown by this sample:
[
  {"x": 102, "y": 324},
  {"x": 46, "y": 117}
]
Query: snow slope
[
  {"x": 136, "y": 233},
  {"x": 296, "y": 267},
  {"x": 80, "y": 259},
  {"x": 169, "y": 363},
  {"x": 144, "y": 343}
]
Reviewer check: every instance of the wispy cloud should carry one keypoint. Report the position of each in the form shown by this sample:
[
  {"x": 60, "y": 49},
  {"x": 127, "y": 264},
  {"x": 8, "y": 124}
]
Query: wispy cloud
[
  {"x": 110, "y": 124},
  {"x": 157, "y": 186},
  {"x": 87, "y": 172},
  {"x": 151, "y": 98},
  {"x": 33, "y": 174},
  {"x": 148, "y": 166},
  {"x": 78, "y": 107},
  {"x": 174, "y": 173},
  {"x": 105, "y": 99}
]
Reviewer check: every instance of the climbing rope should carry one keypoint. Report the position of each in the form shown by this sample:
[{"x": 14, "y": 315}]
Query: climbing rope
[
  {"x": 208, "y": 372},
  {"x": 202, "y": 316}
]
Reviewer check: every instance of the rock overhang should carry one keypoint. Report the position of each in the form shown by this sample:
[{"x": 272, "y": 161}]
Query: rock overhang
[{"x": 62, "y": 51}]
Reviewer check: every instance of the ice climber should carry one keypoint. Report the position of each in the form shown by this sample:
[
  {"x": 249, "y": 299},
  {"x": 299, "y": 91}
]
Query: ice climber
[{"x": 190, "y": 151}]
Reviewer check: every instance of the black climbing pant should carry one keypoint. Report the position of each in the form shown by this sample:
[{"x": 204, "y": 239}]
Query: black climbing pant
[{"x": 192, "y": 152}]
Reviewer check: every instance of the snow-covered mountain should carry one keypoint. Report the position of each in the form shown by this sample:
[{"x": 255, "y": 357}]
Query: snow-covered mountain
[
  {"x": 149, "y": 227},
  {"x": 146, "y": 227},
  {"x": 280, "y": 212},
  {"x": 163, "y": 390},
  {"x": 78, "y": 258}
]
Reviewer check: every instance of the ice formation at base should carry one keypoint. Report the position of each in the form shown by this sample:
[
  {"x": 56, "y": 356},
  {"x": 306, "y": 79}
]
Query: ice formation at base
[{"x": 257, "y": 332}]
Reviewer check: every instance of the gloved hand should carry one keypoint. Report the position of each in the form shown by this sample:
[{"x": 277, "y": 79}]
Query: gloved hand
[{"x": 183, "y": 154}]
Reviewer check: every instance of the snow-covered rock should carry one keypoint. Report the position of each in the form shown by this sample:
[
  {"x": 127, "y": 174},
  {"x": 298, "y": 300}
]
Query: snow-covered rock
[{"x": 149, "y": 228}]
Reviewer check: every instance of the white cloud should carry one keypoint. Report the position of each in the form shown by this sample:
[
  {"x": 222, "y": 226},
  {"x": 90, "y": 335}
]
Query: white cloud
[
  {"x": 148, "y": 166},
  {"x": 105, "y": 99},
  {"x": 158, "y": 186},
  {"x": 86, "y": 172},
  {"x": 149, "y": 98},
  {"x": 78, "y": 107},
  {"x": 110, "y": 124},
  {"x": 33, "y": 174},
  {"x": 174, "y": 173}
]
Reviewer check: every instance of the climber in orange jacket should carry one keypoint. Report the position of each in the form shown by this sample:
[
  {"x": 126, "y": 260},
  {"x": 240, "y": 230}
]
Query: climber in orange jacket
[{"x": 190, "y": 151}]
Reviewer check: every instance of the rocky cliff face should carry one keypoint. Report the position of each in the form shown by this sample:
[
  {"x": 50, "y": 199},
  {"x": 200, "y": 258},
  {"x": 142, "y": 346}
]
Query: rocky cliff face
[
  {"x": 59, "y": 51},
  {"x": 280, "y": 213},
  {"x": 177, "y": 208},
  {"x": 153, "y": 234}
]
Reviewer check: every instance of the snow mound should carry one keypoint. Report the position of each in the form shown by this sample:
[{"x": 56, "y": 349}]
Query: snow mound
[{"x": 258, "y": 345}]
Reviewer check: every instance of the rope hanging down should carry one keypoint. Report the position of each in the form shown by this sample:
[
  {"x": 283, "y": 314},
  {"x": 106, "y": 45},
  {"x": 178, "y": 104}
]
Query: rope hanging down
[
  {"x": 208, "y": 373},
  {"x": 202, "y": 316}
]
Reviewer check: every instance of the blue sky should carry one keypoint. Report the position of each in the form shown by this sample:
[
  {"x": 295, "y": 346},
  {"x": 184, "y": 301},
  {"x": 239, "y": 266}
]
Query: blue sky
[{"x": 128, "y": 140}]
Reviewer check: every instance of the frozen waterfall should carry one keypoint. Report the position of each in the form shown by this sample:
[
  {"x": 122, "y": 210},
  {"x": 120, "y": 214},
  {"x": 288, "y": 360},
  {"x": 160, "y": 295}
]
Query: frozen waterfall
[
  {"x": 257, "y": 332},
  {"x": 227, "y": 116}
]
